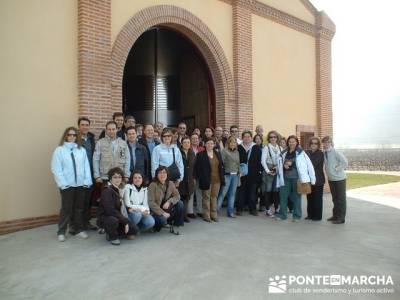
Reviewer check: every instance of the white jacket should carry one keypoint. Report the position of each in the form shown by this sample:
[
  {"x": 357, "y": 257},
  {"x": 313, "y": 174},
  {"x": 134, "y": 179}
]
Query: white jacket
[
  {"x": 305, "y": 168},
  {"x": 135, "y": 199}
]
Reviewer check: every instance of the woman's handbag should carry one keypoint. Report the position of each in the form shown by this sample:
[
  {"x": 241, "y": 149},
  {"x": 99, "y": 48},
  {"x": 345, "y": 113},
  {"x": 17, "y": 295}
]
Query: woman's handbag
[
  {"x": 303, "y": 188},
  {"x": 244, "y": 167},
  {"x": 173, "y": 170}
]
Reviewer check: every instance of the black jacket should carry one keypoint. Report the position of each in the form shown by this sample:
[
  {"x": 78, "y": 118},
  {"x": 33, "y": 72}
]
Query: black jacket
[
  {"x": 186, "y": 186},
  {"x": 254, "y": 163},
  {"x": 202, "y": 169},
  {"x": 143, "y": 142},
  {"x": 142, "y": 161},
  {"x": 317, "y": 159},
  {"x": 89, "y": 146},
  {"x": 110, "y": 206}
]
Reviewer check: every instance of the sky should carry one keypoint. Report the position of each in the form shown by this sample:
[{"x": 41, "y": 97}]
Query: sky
[{"x": 365, "y": 71}]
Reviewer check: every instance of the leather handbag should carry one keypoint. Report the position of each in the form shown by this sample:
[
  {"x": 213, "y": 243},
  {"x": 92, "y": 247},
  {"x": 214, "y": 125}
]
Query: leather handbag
[
  {"x": 173, "y": 170},
  {"x": 303, "y": 187}
]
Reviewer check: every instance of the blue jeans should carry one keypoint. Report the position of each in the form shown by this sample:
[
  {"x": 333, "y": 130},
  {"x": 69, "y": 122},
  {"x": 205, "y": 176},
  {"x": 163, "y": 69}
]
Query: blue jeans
[
  {"x": 229, "y": 190},
  {"x": 142, "y": 221},
  {"x": 289, "y": 190}
]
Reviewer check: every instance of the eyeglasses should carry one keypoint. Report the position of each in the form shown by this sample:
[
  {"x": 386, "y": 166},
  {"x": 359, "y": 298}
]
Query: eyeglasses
[{"x": 71, "y": 134}]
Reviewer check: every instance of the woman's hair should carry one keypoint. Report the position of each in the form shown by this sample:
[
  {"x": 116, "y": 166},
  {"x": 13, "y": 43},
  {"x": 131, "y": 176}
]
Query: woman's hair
[
  {"x": 257, "y": 135},
  {"x": 185, "y": 138},
  {"x": 212, "y": 130},
  {"x": 278, "y": 136},
  {"x": 327, "y": 139},
  {"x": 229, "y": 141},
  {"x": 208, "y": 139},
  {"x": 314, "y": 138},
  {"x": 293, "y": 137},
  {"x": 78, "y": 140},
  {"x": 158, "y": 170},
  {"x": 113, "y": 171},
  {"x": 167, "y": 130},
  {"x": 247, "y": 132},
  {"x": 134, "y": 173}
]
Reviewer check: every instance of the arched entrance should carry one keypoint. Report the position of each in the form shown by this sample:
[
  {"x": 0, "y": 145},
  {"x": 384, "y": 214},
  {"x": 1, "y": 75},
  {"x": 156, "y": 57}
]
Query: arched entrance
[
  {"x": 166, "y": 79},
  {"x": 194, "y": 30}
]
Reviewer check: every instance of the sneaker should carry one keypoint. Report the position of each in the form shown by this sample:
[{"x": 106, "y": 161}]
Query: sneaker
[
  {"x": 101, "y": 231},
  {"x": 277, "y": 218},
  {"x": 232, "y": 216},
  {"x": 116, "y": 242},
  {"x": 82, "y": 235},
  {"x": 269, "y": 213},
  {"x": 61, "y": 238},
  {"x": 295, "y": 220}
]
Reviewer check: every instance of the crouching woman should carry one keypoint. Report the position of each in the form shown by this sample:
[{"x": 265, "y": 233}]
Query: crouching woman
[
  {"x": 164, "y": 201},
  {"x": 111, "y": 215},
  {"x": 135, "y": 198}
]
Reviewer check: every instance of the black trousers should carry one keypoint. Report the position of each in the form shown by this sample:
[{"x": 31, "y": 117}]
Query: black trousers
[
  {"x": 114, "y": 228},
  {"x": 71, "y": 212},
  {"x": 338, "y": 191},
  {"x": 248, "y": 191},
  {"x": 314, "y": 202},
  {"x": 87, "y": 206},
  {"x": 272, "y": 198}
]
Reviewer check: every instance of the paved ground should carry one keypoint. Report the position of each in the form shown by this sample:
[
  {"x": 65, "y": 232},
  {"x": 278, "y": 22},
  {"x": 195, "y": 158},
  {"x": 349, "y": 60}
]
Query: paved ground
[{"x": 230, "y": 260}]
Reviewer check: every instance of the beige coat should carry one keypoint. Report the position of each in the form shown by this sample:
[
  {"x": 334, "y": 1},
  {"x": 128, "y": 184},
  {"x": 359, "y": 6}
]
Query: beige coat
[{"x": 156, "y": 192}]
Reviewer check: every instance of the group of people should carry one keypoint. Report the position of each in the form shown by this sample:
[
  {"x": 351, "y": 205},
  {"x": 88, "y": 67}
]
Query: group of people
[{"x": 146, "y": 177}]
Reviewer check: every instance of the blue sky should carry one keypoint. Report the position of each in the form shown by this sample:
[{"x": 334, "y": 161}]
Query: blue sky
[{"x": 366, "y": 70}]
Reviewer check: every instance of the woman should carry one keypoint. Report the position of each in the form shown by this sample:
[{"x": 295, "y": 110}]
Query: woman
[
  {"x": 271, "y": 153},
  {"x": 208, "y": 134},
  {"x": 250, "y": 156},
  {"x": 195, "y": 144},
  {"x": 294, "y": 166},
  {"x": 136, "y": 202},
  {"x": 231, "y": 161},
  {"x": 258, "y": 140},
  {"x": 187, "y": 185},
  {"x": 112, "y": 214},
  {"x": 164, "y": 200},
  {"x": 71, "y": 170},
  {"x": 314, "y": 200},
  {"x": 168, "y": 155},
  {"x": 209, "y": 172}
]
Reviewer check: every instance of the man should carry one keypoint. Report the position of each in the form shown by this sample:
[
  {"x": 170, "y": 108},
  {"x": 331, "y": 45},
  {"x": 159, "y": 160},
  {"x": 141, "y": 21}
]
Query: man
[
  {"x": 110, "y": 152},
  {"x": 88, "y": 142},
  {"x": 234, "y": 130},
  {"x": 221, "y": 141},
  {"x": 335, "y": 164},
  {"x": 158, "y": 126},
  {"x": 260, "y": 132},
  {"x": 118, "y": 118},
  {"x": 182, "y": 128},
  {"x": 149, "y": 142},
  {"x": 129, "y": 122},
  {"x": 139, "y": 159}
]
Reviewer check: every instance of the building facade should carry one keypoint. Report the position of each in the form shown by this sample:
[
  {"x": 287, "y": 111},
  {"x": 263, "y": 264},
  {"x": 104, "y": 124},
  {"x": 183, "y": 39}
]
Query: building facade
[{"x": 254, "y": 62}]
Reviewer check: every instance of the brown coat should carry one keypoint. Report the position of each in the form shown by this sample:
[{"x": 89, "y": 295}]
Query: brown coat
[{"x": 156, "y": 192}]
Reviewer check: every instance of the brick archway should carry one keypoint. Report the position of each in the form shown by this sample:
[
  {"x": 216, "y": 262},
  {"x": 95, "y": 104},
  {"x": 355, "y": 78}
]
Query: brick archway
[{"x": 195, "y": 30}]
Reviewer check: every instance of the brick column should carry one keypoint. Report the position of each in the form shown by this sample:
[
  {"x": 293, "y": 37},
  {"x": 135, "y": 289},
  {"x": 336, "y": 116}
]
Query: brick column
[
  {"x": 325, "y": 32},
  {"x": 242, "y": 62},
  {"x": 94, "y": 73}
]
